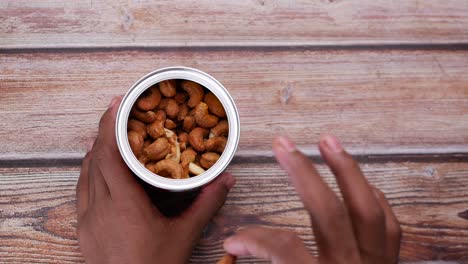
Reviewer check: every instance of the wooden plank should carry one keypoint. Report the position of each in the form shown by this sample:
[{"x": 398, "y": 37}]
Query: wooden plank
[
  {"x": 430, "y": 200},
  {"x": 52, "y": 23},
  {"x": 378, "y": 102}
]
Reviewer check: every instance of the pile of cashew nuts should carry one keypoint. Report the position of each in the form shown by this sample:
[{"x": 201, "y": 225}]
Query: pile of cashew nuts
[{"x": 177, "y": 129}]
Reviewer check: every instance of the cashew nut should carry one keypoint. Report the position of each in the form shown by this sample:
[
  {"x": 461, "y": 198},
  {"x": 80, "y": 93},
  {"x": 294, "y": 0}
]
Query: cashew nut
[
  {"x": 195, "y": 92},
  {"x": 168, "y": 88},
  {"x": 136, "y": 142},
  {"x": 183, "y": 139},
  {"x": 147, "y": 143},
  {"x": 156, "y": 129},
  {"x": 196, "y": 138},
  {"x": 187, "y": 156},
  {"x": 227, "y": 259},
  {"x": 160, "y": 115},
  {"x": 181, "y": 97},
  {"x": 174, "y": 153},
  {"x": 215, "y": 144},
  {"x": 149, "y": 100},
  {"x": 215, "y": 105},
  {"x": 189, "y": 123},
  {"x": 137, "y": 126},
  {"x": 147, "y": 117},
  {"x": 183, "y": 111},
  {"x": 195, "y": 169},
  {"x": 208, "y": 159},
  {"x": 170, "y": 168},
  {"x": 150, "y": 166},
  {"x": 169, "y": 124},
  {"x": 170, "y": 106},
  {"x": 158, "y": 149},
  {"x": 221, "y": 129},
  {"x": 203, "y": 118}
]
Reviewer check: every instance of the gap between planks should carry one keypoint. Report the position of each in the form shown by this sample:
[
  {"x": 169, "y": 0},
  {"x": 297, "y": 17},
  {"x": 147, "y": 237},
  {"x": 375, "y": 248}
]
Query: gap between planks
[
  {"x": 453, "y": 154},
  {"x": 274, "y": 46}
]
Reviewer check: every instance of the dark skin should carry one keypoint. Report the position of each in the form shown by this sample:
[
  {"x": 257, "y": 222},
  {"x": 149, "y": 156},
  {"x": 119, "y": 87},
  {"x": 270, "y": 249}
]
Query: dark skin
[
  {"x": 360, "y": 229},
  {"x": 117, "y": 223}
]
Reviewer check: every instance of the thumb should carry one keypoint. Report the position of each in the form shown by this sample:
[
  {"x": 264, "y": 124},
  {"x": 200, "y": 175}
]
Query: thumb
[
  {"x": 209, "y": 201},
  {"x": 276, "y": 245}
]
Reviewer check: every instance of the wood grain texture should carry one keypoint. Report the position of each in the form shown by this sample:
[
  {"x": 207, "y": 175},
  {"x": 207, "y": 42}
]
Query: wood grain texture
[
  {"x": 378, "y": 102},
  {"x": 37, "y": 217},
  {"x": 53, "y": 23}
]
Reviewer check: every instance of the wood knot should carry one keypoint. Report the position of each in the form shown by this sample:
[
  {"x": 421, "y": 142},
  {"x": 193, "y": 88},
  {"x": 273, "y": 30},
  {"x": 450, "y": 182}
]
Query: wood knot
[
  {"x": 286, "y": 94},
  {"x": 127, "y": 20}
]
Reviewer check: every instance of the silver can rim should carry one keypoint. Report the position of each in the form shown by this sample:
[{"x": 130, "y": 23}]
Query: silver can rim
[{"x": 177, "y": 72}]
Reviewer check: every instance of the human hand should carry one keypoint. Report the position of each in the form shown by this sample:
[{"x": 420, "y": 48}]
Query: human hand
[
  {"x": 362, "y": 229},
  {"x": 117, "y": 223}
]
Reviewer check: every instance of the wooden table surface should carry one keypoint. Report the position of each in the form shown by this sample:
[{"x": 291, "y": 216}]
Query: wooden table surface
[{"x": 390, "y": 78}]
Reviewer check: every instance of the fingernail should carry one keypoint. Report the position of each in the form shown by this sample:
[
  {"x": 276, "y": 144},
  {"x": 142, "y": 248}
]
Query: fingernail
[
  {"x": 229, "y": 240},
  {"x": 286, "y": 144},
  {"x": 231, "y": 244},
  {"x": 113, "y": 101},
  {"x": 332, "y": 143}
]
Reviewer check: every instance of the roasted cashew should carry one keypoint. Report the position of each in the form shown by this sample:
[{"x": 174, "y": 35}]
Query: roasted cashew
[
  {"x": 189, "y": 123},
  {"x": 137, "y": 126},
  {"x": 221, "y": 129},
  {"x": 146, "y": 117},
  {"x": 170, "y": 168},
  {"x": 183, "y": 111},
  {"x": 160, "y": 115},
  {"x": 227, "y": 259},
  {"x": 203, "y": 118},
  {"x": 169, "y": 124},
  {"x": 214, "y": 105},
  {"x": 149, "y": 100},
  {"x": 170, "y": 106},
  {"x": 183, "y": 139},
  {"x": 156, "y": 129},
  {"x": 158, "y": 149},
  {"x": 189, "y": 155},
  {"x": 136, "y": 142},
  {"x": 208, "y": 159},
  {"x": 195, "y": 92},
  {"x": 174, "y": 153},
  {"x": 180, "y": 97},
  {"x": 168, "y": 88},
  {"x": 196, "y": 138},
  {"x": 216, "y": 144}
]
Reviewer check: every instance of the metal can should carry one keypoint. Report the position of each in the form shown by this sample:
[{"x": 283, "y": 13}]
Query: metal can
[{"x": 202, "y": 78}]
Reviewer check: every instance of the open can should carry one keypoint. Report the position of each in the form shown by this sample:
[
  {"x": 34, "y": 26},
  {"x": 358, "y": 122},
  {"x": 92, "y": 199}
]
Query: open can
[{"x": 185, "y": 73}]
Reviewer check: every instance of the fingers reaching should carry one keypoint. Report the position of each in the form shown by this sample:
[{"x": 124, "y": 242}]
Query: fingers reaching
[
  {"x": 209, "y": 201},
  {"x": 367, "y": 216},
  {"x": 277, "y": 246},
  {"x": 331, "y": 223}
]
